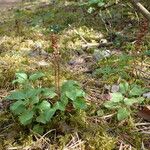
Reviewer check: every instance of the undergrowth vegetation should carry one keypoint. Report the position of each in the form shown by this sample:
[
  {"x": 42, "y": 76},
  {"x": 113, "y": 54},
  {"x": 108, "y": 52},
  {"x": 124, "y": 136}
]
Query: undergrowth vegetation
[{"x": 74, "y": 75}]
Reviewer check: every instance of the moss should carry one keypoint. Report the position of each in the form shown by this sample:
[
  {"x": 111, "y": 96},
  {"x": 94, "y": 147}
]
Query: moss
[{"x": 35, "y": 26}]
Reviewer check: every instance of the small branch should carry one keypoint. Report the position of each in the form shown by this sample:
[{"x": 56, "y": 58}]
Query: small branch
[
  {"x": 108, "y": 116},
  {"x": 92, "y": 45},
  {"x": 110, "y": 5},
  {"x": 142, "y": 124},
  {"x": 141, "y": 9},
  {"x": 145, "y": 132},
  {"x": 79, "y": 35}
]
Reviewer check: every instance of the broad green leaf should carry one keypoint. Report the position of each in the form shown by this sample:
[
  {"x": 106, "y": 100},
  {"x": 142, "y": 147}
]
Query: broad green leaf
[
  {"x": 116, "y": 97},
  {"x": 111, "y": 105},
  {"x": 26, "y": 117},
  {"x": 49, "y": 114},
  {"x": 15, "y": 105},
  {"x": 123, "y": 87},
  {"x": 49, "y": 92},
  {"x": 21, "y": 78},
  {"x": 75, "y": 93},
  {"x": 41, "y": 118},
  {"x": 19, "y": 110},
  {"x": 38, "y": 129},
  {"x": 22, "y": 75},
  {"x": 71, "y": 95},
  {"x": 72, "y": 90},
  {"x": 136, "y": 91},
  {"x": 17, "y": 95},
  {"x": 44, "y": 105},
  {"x": 69, "y": 85},
  {"x": 140, "y": 99},
  {"x": 80, "y": 103},
  {"x": 34, "y": 100},
  {"x": 64, "y": 99},
  {"x": 122, "y": 114},
  {"x": 131, "y": 101},
  {"x": 18, "y": 107},
  {"x": 36, "y": 76},
  {"x": 32, "y": 92},
  {"x": 59, "y": 106}
]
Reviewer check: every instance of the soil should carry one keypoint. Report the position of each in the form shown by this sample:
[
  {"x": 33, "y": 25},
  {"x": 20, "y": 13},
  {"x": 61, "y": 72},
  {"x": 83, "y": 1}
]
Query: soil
[{"x": 8, "y": 3}]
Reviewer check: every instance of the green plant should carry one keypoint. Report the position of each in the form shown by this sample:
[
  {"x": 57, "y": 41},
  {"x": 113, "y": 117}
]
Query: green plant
[
  {"x": 94, "y": 4},
  {"x": 123, "y": 100},
  {"x": 97, "y": 3},
  {"x": 36, "y": 105},
  {"x": 114, "y": 66}
]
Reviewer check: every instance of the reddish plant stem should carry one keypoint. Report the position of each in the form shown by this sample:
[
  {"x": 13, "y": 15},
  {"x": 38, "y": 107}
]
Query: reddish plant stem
[{"x": 56, "y": 63}]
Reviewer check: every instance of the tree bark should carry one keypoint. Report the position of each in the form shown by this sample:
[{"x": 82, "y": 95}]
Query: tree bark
[{"x": 141, "y": 9}]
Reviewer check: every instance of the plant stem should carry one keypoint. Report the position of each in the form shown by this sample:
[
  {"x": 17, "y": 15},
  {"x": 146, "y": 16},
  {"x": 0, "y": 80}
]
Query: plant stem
[{"x": 56, "y": 62}]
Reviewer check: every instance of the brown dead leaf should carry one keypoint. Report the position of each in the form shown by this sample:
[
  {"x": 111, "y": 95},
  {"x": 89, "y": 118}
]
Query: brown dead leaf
[{"x": 145, "y": 113}]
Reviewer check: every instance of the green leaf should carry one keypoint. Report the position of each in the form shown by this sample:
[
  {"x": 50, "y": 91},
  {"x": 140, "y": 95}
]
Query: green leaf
[
  {"x": 68, "y": 85},
  {"x": 111, "y": 105},
  {"x": 41, "y": 118},
  {"x": 38, "y": 129},
  {"x": 140, "y": 99},
  {"x": 36, "y": 76},
  {"x": 17, "y": 95},
  {"x": 20, "y": 110},
  {"x": 64, "y": 99},
  {"x": 44, "y": 105},
  {"x": 49, "y": 92},
  {"x": 49, "y": 114},
  {"x": 15, "y": 105},
  {"x": 26, "y": 117},
  {"x": 32, "y": 92},
  {"x": 136, "y": 91},
  {"x": 116, "y": 97},
  {"x": 80, "y": 103},
  {"x": 18, "y": 107},
  {"x": 123, "y": 87},
  {"x": 59, "y": 106},
  {"x": 21, "y": 78},
  {"x": 72, "y": 90},
  {"x": 71, "y": 95},
  {"x": 74, "y": 93},
  {"x": 34, "y": 100},
  {"x": 122, "y": 114},
  {"x": 131, "y": 101}
]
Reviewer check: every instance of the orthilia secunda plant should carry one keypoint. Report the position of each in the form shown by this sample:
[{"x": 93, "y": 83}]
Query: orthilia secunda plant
[{"x": 34, "y": 105}]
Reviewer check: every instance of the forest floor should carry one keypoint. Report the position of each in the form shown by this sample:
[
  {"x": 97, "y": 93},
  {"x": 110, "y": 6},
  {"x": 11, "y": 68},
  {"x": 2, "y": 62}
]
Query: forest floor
[
  {"x": 8, "y": 3},
  {"x": 26, "y": 46}
]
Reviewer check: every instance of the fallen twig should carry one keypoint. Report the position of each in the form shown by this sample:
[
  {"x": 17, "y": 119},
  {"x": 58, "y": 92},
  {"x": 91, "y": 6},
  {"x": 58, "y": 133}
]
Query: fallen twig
[
  {"x": 142, "y": 124},
  {"x": 92, "y": 45}
]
